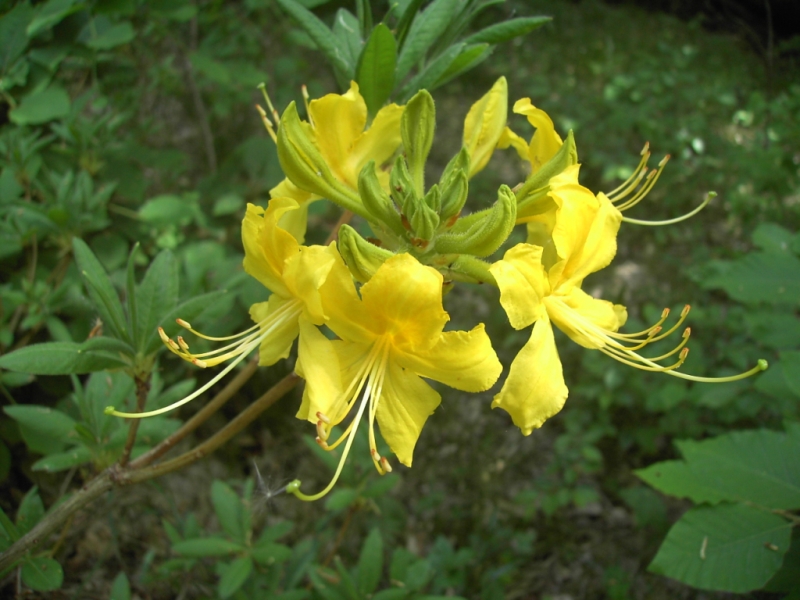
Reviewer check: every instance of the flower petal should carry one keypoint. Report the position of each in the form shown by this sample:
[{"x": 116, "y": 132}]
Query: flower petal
[
  {"x": 578, "y": 314},
  {"x": 405, "y": 404},
  {"x": 304, "y": 275},
  {"x": 534, "y": 390},
  {"x": 464, "y": 360},
  {"x": 522, "y": 281},
  {"x": 318, "y": 364},
  {"x": 485, "y": 125},
  {"x": 267, "y": 246},
  {"x": 509, "y": 138},
  {"x": 294, "y": 221},
  {"x": 278, "y": 343},
  {"x": 545, "y": 142},
  {"x": 378, "y": 143}
]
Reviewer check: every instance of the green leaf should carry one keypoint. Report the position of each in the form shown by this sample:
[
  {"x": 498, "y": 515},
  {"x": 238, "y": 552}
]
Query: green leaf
[
  {"x": 41, "y": 107},
  {"x": 116, "y": 35},
  {"x": 42, "y": 574},
  {"x": 63, "y": 358},
  {"x": 100, "y": 289},
  {"x": 730, "y": 547},
  {"x": 9, "y": 531},
  {"x": 424, "y": 31},
  {"x": 130, "y": 294},
  {"x": 347, "y": 31},
  {"x": 62, "y": 461},
  {"x": 228, "y": 204},
  {"x": 156, "y": 295},
  {"x": 426, "y": 78},
  {"x": 228, "y": 507},
  {"x": 268, "y": 554},
  {"x": 758, "y": 277},
  {"x": 277, "y": 531},
  {"x": 341, "y": 499},
  {"x": 13, "y": 38},
  {"x": 210, "y": 546},
  {"x": 121, "y": 588},
  {"x": 321, "y": 35},
  {"x": 469, "y": 58},
  {"x": 790, "y": 365},
  {"x": 380, "y": 486},
  {"x": 747, "y": 466},
  {"x": 405, "y": 21},
  {"x": 48, "y": 421},
  {"x": 30, "y": 512},
  {"x": 187, "y": 311},
  {"x": 51, "y": 13},
  {"x": 370, "y": 563},
  {"x": 773, "y": 238},
  {"x": 234, "y": 576},
  {"x": 375, "y": 73},
  {"x": 166, "y": 209},
  {"x": 507, "y": 30}
]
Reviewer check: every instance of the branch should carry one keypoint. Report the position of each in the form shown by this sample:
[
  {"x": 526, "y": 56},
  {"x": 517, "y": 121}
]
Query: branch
[{"x": 142, "y": 388}]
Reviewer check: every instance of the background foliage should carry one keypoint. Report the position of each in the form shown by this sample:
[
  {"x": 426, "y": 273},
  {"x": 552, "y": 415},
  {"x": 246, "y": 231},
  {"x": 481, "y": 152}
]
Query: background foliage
[{"x": 130, "y": 122}]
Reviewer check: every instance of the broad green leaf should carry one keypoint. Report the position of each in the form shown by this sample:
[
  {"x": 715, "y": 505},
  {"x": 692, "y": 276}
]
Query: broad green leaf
[
  {"x": 30, "y": 512},
  {"x": 63, "y": 460},
  {"x": 51, "y": 13},
  {"x": 364, "y": 14},
  {"x": 426, "y": 78},
  {"x": 187, "y": 311},
  {"x": 234, "y": 576},
  {"x": 424, "y": 31},
  {"x": 121, "y": 588},
  {"x": 758, "y": 277},
  {"x": 340, "y": 499},
  {"x": 41, "y": 107},
  {"x": 13, "y": 38},
  {"x": 380, "y": 486},
  {"x": 405, "y": 21},
  {"x": 375, "y": 73},
  {"x": 42, "y": 574},
  {"x": 268, "y": 554},
  {"x": 227, "y": 205},
  {"x": 63, "y": 358},
  {"x": 320, "y": 34},
  {"x": 116, "y": 35},
  {"x": 370, "y": 562},
  {"x": 211, "y": 546},
  {"x": 507, "y": 30},
  {"x": 277, "y": 531},
  {"x": 48, "y": 421},
  {"x": 773, "y": 238},
  {"x": 9, "y": 530},
  {"x": 156, "y": 295},
  {"x": 100, "y": 289},
  {"x": 730, "y": 547},
  {"x": 469, "y": 58},
  {"x": 747, "y": 466},
  {"x": 787, "y": 579},
  {"x": 167, "y": 209},
  {"x": 347, "y": 31},
  {"x": 790, "y": 365},
  {"x": 228, "y": 507}
]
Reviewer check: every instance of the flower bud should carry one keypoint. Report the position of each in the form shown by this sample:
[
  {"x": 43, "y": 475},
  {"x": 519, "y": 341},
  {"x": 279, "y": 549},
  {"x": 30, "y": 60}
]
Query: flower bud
[
  {"x": 484, "y": 125},
  {"x": 416, "y": 127},
  {"x": 361, "y": 257},
  {"x": 377, "y": 202}
]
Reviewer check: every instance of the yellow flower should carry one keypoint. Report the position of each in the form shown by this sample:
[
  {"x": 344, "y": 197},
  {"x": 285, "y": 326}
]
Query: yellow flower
[
  {"x": 541, "y": 284},
  {"x": 296, "y": 276},
  {"x": 485, "y": 125},
  {"x": 390, "y": 338},
  {"x": 545, "y": 141}
]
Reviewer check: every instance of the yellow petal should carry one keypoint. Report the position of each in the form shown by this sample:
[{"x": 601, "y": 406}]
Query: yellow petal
[
  {"x": 378, "y": 143},
  {"x": 267, "y": 246},
  {"x": 534, "y": 390},
  {"x": 406, "y": 403},
  {"x": 294, "y": 221},
  {"x": 304, "y": 275},
  {"x": 485, "y": 125},
  {"x": 404, "y": 300},
  {"x": 338, "y": 121},
  {"x": 318, "y": 364},
  {"x": 578, "y": 313},
  {"x": 509, "y": 138},
  {"x": 577, "y": 208},
  {"x": 464, "y": 360},
  {"x": 278, "y": 343},
  {"x": 545, "y": 142},
  {"x": 523, "y": 284}
]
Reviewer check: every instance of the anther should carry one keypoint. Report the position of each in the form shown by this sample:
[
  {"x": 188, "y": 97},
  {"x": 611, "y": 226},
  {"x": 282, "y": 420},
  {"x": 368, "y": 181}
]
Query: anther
[
  {"x": 684, "y": 353},
  {"x": 322, "y": 443},
  {"x": 686, "y": 310},
  {"x": 665, "y": 313},
  {"x": 687, "y": 332},
  {"x": 664, "y": 161},
  {"x": 184, "y": 346},
  {"x": 645, "y": 149},
  {"x": 304, "y": 91},
  {"x": 199, "y": 363},
  {"x": 385, "y": 464},
  {"x": 163, "y": 335},
  {"x": 321, "y": 416},
  {"x": 322, "y": 434},
  {"x": 173, "y": 345},
  {"x": 655, "y": 331},
  {"x": 184, "y": 324}
]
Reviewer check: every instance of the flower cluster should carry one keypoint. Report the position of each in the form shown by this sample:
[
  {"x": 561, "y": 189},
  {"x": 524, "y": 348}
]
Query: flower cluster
[{"x": 381, "y": 297}]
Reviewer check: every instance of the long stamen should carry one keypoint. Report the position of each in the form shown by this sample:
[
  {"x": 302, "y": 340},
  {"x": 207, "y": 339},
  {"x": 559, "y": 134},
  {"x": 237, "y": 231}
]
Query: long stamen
[
  {"x": 373, "y": 407},
  {"x": 645, "y": 154},
  {"x": 689, "y": 215}
]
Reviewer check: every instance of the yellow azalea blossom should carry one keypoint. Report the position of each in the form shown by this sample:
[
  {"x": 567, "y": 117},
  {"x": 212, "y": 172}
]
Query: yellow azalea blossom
[
  {"x": 294, "y": 274},
  {"x": 545, "y": 141},
  {"x": 390, "y": 338},
  {"x": 541, "y": 285},
  {"x": 294, "y": 221},
  {"x": 485, "y": 125}
]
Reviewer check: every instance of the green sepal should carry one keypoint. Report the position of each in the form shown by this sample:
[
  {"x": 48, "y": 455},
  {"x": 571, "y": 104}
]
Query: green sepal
[
  {"x": 433, "y": 198},
  {"x": 454, "y": 195},
  {"x": 400, "y": 185},
  {"x": 424, "y": 223},
  {"x": 566, "y": 156},
  {"x": 464, "y": 268},
  {"x": 360, "y": 256},
  {"x": 417, "y": 127},
  {"x": 377, "y": 202},
  {"x": 304, "y": 165},
  {"x": 484, "y": 232}
]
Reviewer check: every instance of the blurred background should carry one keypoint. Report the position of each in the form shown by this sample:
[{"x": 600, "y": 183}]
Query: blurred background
[{"x": 125, "y": 121}]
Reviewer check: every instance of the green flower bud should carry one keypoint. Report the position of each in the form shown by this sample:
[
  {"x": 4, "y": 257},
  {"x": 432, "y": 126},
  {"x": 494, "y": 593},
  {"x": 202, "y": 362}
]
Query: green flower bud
[
  {"x": 424, "y": 223},
  {"x": 304, "y": 165},
  {"x": 377, "y": 202},
  {"x": 566, "y": 156},
  {"x": 360, "y": 256},
  {"x": 417, "y": 127},
  {"x": 433, "y": 199},
  {"x": 454, "y": 195},
  {"x": 464, "y": 268},
  {"x": 481, "y": 233}
]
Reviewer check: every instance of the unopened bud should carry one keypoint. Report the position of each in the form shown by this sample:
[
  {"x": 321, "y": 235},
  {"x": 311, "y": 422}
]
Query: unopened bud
[{"x": 362, "y": 258}]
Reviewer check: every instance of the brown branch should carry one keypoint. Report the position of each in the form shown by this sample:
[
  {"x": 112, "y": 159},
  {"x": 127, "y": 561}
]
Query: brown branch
[
  {"x": 198, "y": 419},
  {"x": 142, "y": 388}
]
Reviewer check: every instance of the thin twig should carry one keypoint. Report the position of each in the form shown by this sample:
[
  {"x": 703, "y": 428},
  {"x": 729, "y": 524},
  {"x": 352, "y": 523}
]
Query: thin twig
[
  {"x": 198, "y": 419},
  {"x": 142, "y": 389}
]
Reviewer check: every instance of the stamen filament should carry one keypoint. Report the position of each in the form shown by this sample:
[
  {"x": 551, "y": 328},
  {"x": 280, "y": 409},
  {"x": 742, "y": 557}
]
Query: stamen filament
[
  {"x": 689, "y": 215},
  {"x": 645, "y": 154}
]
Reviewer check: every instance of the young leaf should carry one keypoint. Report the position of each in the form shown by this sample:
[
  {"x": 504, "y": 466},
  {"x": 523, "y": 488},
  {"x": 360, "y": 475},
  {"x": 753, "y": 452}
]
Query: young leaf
[
  {"x": 41, "y": 107},
  {"x": 507, "y": 30},
  {"x": 187, "y": 311},
  {"x": 730, "y": 547},
  {"x": 121, "y": 588},
  {"x": 30, "y": 512},
  {"x": 234, "y": 576},
  {"x": 9, "y": 530},
  {"x": 375, "y": 73},
  {"x": 424, "y": 31},
  {"x": 42, "y": 574},
  {"x": 370, "y": 563},
  {"x": 63, "y": 358},
  {"x": 13, "y": 39},
  {"x": 347, "y": 31},
  {"x": 364, "y": 12},
  {"x": 269, "y": 554},
  {"x": 51, "y": 13},
  {"x": 62, "y": 461},
  {"x": 429, "y": 75},
  {"x": 156, "y": 295},
  {"x": 48, "y": 421},
  {"x": 277, "y": 531},
  {"x": 228, "y": 507},
  {"x": 469, "y": 58},
  {"x": 101, "y": 291},
  {"x": 320, "y": 34},
  {"x": 202, "y": 547},
  {"x": 407, "y": 18}
]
